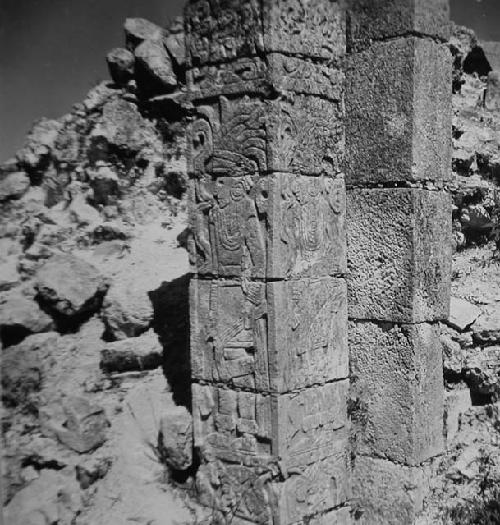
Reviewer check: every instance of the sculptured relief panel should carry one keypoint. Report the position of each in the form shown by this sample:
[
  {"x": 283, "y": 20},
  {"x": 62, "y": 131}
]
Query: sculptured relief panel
[
  {"x": 293, "y": 447},
  {"x": 221, "y": 30},
  {"x": 249, "y": 136},
  {"x": 278, "y": 226},
  {"x": 268, "y": 76},
  {"x": 269, "y": 337}
]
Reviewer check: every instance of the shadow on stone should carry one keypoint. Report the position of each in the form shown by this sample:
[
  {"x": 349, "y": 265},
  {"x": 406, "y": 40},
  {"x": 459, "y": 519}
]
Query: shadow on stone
[{"x": 171, "y": 322}]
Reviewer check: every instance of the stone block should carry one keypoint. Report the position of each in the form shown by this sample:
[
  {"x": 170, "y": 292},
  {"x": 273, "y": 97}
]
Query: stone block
[
  {"x": 256, "y": 429},
  {"x": 386, "y": 493},
  {"x": 278, "y": 226},
  {"x": 250, "y": 136},
  {"x": 143, "y": 352},
  {"x": 397, "y": 386},
  {"x": 272, "y": 337},
  {"x": 382, "y": 19},
  {"x": 393, "y": 131},
  {"x": 399, "y": 254},
  {"x": 222, "y": 30},
  {"x": 296, "y": 453},
  {"x": 268, "y": 75}
]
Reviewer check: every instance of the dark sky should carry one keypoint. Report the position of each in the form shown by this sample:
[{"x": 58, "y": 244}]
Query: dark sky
[{"x": 52, "y": 51}]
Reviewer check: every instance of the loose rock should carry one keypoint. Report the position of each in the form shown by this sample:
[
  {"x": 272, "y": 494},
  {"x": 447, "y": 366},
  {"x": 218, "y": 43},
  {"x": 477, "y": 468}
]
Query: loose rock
[
  {"x": 154, "y": 73},
  {"x": 175, "y": 41},
  {"x": 20, "y": 316},
  {"x": 23, "y": 368},
  {"x": 462, "y": 313},
  {"x": 486, "y": 330},
  {"x": 121, "y": 65},
  {"x": 137, "y": 30},
  {"x": 492, "y": 95},
  {"x": 77, "y": 423},
  {"x": 126, "y": 311},
  {"x": 54, "y": 497},
  {"x": 176, "y": 438},
  {"x": 482, "y": 371},
  {"x": 70, "y": 286},
  {"x": 14, "y": 185}
]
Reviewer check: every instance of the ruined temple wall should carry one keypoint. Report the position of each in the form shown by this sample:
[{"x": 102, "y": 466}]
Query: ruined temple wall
[
  {"x": 398, "y": 159},
  {"x": 269, "y": 299}
]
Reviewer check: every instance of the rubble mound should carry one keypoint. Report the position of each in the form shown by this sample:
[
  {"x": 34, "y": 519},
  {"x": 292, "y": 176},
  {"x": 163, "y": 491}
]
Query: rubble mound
[{"x": 91, "y": 208}]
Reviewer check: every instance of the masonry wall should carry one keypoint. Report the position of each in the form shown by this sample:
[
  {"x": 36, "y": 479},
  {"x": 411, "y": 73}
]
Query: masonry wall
[
  {"x": 269, "y": 297},
  {"x": 398, "y": 159}
]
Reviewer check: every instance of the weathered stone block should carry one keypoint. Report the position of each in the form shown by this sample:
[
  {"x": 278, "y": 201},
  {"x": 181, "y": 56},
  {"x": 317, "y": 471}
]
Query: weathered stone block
[
  {"x": 399, "y": 254},
  {"x": 221, "y": 30},
  {"x": 382, "y": 19},
  {"x": 299, "y": 438},
  {"x": 397, "y": 385},
  {"x": 274, "y": 337},
  {"x": 268, "y": 75},
  {"x": 387, "y": 493},
  {"x": 257, "y": 428},
  {"x": 393, "y": 131},
  {"x": 251, "y": 136},
  {"x": 277, "y": 226}
]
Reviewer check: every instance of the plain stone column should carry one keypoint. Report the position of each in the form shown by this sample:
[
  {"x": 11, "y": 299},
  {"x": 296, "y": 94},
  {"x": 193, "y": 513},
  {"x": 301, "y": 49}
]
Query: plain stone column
[
  {"x": 268, "y": 298},
  {"x": 398, "y": 159}
]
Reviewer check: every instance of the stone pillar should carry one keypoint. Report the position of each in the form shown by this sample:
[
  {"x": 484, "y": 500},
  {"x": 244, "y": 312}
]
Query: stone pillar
[
  {"x": 398, "y": 159},
  {"x": 268, "y": 297}
]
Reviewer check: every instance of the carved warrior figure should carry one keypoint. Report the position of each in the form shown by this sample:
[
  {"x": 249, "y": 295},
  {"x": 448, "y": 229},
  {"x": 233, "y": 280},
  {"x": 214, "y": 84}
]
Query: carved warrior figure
[{"x": 243, "y": 225}]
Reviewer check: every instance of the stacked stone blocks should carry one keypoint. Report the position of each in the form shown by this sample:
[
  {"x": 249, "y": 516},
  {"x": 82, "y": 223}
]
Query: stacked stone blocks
[
  {"x": 398, "y": 158},
  {"x": 269, "y": 299}
]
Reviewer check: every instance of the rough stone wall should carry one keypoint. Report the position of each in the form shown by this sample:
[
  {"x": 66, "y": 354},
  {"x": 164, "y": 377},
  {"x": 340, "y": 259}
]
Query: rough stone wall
[
  {"x": 398, "y": 158},
  {"x": 268, "y": 301}
]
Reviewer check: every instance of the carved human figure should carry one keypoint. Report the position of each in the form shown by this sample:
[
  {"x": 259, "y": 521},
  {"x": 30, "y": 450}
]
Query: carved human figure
[{"x": 237, "y": 235}]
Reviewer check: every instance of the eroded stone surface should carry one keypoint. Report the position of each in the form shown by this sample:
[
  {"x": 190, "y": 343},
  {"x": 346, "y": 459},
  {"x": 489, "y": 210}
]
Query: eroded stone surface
[
  {"x": 397, "y": 383},
  {"x": 274, "y": 73},
  {"x": 388, "y": 494},
  {"x": 381, "y": 19},
  {"x": 393, "y": 131},
  {"x": 276, "y": 227},
  {"x": 250, "y": 136},
  {"x": 399, "y": 254},
  {"x": 271, "y": 337},
  {"x": 221, "y": 30}
]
